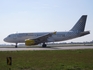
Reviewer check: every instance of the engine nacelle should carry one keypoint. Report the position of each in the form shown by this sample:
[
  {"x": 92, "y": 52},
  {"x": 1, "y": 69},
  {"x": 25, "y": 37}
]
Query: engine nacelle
[{"x": 29, "y": 42}]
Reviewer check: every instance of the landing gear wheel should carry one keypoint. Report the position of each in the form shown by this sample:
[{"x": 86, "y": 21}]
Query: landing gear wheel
[
  {"x": 44, "y": 45},
  {"x": 16, "y": 45}
]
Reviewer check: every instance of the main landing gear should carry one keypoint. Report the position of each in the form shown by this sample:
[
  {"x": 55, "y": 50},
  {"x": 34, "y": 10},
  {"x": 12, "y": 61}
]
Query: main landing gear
[{"x": 44, "y": 45}]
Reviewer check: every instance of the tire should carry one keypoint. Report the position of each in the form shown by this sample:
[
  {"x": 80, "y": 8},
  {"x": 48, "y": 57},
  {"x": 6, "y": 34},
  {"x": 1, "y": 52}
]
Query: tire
[
  {"x": 44, "y": 45},
  {"x": 15, "y": 46}
]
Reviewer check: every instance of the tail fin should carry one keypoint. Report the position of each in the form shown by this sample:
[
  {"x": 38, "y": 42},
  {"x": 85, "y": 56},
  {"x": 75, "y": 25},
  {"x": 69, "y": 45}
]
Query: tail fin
[{"x": 80, "y": 25}]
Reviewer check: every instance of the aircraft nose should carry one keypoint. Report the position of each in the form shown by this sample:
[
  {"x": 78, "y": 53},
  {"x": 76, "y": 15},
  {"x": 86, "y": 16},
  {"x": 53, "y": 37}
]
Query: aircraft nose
[{"x": 5, "y": 39}]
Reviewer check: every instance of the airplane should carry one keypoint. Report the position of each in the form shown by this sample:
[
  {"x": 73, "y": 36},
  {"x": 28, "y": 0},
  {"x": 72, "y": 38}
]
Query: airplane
[{"x": 43, "y": 37}]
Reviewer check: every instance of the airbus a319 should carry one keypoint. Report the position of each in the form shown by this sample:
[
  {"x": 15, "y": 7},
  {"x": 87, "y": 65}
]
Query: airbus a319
[{"x": 43, "y": 37}]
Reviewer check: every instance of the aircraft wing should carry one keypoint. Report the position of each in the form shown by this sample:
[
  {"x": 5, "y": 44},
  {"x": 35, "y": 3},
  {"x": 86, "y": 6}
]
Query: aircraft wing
[{"x": 41, "y": 39}]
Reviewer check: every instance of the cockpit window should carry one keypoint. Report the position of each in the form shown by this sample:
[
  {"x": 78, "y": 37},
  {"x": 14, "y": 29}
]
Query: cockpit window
[{"x": 9, "y": 36}]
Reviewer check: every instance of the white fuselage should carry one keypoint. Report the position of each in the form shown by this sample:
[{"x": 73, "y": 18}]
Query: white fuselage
[{"x": 59, "y": 36}]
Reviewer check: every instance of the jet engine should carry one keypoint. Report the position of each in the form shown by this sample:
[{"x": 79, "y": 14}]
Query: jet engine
[{"x": 29, "y": 42}]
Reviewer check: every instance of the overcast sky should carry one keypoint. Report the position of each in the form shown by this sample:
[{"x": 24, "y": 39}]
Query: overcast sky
[{"x": 44, "y": 16}]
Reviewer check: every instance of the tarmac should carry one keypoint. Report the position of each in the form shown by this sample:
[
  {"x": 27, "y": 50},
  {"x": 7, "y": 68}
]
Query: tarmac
[{"x": 47, "y": 48}]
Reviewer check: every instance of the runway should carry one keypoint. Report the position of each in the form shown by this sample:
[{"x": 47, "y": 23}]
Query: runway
[{"x": 50, "y": 48}]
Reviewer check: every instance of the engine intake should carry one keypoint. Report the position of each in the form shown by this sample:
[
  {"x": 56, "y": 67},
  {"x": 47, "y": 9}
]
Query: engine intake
[{"x": 29, "y": 42}]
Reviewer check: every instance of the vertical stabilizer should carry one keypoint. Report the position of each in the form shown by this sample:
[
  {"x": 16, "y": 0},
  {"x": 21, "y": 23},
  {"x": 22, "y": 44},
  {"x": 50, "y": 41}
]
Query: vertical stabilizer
[{"x": 80, "y": 25}]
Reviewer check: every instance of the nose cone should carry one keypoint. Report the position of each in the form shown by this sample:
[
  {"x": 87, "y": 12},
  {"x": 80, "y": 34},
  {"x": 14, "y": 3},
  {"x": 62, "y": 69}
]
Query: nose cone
[{"x": 5, "y": 39}]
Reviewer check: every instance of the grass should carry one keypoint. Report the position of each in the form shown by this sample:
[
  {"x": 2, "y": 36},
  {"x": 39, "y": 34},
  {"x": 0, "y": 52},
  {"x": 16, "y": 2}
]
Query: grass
[{"x": 48, "y": 60}]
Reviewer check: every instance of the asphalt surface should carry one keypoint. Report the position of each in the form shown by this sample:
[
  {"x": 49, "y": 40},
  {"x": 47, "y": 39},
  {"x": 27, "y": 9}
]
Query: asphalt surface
[{"x": 49, "y": 48}]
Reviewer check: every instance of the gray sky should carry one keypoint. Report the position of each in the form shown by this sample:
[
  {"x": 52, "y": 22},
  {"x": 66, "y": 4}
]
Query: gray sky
[{"x": 44, "y": 16}]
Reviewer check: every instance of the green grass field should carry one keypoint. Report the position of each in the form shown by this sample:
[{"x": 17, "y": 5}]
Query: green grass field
[{"x": 48, "y": 60}]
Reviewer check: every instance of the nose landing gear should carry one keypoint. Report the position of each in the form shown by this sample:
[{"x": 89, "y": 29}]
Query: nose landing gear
[
  {"x": 44, "y": 45},
  {"x": 16, "y": 45}
]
